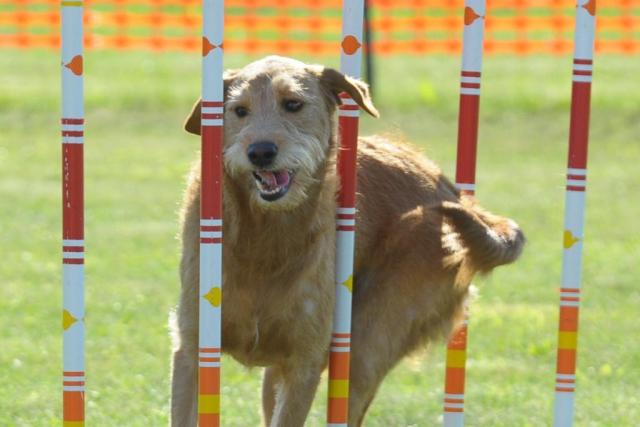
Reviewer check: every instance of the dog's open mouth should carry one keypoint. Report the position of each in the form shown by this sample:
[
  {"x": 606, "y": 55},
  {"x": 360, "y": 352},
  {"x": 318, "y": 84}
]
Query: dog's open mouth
[{"x": 273, "y": 184}]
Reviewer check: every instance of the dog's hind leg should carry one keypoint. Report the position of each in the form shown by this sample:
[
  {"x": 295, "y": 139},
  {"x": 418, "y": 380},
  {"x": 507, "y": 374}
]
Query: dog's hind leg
[
  {"x": 270, "y": 379},
  {"x": 400, "y": 303},
  {"x": 366, "y": 373},
  {"x": 294, "y": 393}
]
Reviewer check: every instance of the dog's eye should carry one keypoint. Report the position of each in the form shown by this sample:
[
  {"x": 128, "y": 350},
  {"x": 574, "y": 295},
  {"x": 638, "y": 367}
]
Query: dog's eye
[
  {"x": 292, "y": 105},
  {"x": 241, "y": 111}
]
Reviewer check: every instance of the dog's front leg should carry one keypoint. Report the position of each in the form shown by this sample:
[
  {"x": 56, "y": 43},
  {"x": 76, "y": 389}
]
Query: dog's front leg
[
  {"x": 184, "y": 398},
  {"x": 295, "y": 387},
  {"x": 184, "y": 378}
]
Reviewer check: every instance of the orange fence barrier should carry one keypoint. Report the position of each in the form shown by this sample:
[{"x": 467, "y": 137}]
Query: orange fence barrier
[{"x": 313, "y": 27}]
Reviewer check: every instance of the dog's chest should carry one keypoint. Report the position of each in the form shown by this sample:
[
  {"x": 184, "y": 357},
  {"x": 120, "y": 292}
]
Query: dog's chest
[
  {"x": 262, "y": 329},
  {"x": 256, "y": 329}
]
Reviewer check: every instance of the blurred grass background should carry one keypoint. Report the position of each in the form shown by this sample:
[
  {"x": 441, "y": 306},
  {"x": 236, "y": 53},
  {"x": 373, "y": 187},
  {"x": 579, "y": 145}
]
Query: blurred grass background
[{"x": 136, "y": 159}]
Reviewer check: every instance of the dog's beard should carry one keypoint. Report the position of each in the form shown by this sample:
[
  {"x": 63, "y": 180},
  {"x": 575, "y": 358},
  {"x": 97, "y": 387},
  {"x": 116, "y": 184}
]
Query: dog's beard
[{"x": 282, "y": 186}]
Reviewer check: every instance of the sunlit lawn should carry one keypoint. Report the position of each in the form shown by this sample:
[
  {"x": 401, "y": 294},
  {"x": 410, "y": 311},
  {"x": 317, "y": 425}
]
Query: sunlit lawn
[{"x": 137, "y": 157}]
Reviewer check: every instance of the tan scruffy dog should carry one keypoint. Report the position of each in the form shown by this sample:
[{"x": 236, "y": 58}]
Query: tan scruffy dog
[{"x": 418, "y": 244}]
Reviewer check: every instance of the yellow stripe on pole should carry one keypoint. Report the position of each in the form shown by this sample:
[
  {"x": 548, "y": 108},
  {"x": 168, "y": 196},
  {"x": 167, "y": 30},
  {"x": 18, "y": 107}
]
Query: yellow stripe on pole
[
  {"x": 72, "y": 3},
  {"x": 568, "y": 340},
  {"x": 209, "y": 404},
  {"x": 338, "y": 388},
  {"x": 73, "y": 424},
  {"x": 456, "y": 358}
]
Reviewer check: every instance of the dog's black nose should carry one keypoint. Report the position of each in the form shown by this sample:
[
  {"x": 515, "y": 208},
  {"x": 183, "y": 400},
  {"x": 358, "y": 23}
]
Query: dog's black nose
[{"x": 262, "y": 153}]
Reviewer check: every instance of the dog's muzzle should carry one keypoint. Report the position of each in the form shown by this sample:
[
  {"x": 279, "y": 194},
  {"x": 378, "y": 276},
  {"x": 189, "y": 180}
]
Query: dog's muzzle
[{"x": 271, "y": 184}]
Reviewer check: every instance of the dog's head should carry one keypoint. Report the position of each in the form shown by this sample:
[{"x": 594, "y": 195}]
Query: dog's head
[{"x": 279, "y": 121}]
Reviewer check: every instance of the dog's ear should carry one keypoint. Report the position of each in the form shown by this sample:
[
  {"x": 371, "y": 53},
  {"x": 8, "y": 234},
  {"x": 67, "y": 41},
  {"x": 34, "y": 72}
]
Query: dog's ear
[
  {"x": 192, "y": 124},
  {"x": 335, "y": 82}
]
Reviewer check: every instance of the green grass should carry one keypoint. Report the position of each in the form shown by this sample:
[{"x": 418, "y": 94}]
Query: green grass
[{"x": 137, "y": 157}]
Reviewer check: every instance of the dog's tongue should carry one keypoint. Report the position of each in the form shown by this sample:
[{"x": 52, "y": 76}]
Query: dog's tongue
[{"x": 275, "y": 178}]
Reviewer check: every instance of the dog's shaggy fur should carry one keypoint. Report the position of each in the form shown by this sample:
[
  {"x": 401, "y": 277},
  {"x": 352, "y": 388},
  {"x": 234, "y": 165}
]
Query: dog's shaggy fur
[{"x": 418, "y": 245}]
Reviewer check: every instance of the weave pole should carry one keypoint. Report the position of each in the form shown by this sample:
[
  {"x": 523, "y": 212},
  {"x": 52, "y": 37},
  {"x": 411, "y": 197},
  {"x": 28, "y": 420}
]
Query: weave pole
[
  {"x": 73, "y": 371},
  {"x": 474, "y": 13},
  {"x": 210, "y": 342},
  {"x": 348, "y": 113},
  {"x": 574, "y": 214}
]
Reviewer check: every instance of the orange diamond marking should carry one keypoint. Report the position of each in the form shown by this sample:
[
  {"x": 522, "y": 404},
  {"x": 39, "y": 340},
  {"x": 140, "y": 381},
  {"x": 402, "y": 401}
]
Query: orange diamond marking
[
  {"x": 350, "y": 45},
  {"x": 470, "y": 16},
  {"x": 590, "y": 7},
  {"x": 207, "y": 46},
  {"x": 75, "y": 65}
]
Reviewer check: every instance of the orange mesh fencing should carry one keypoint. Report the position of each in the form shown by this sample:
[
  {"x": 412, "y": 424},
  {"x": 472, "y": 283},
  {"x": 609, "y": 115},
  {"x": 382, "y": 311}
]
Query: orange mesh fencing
[{"x": 313, "y": 27}]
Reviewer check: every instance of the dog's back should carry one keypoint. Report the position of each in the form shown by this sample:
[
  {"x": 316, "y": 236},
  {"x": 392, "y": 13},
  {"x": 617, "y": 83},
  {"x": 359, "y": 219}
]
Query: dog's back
[
  {"x": 395, "y": 182},
  {"x": 419, "y": 244}
]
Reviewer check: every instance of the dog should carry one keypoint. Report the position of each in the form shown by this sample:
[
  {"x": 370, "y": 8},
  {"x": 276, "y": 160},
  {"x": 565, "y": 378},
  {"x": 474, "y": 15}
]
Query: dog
[{"x": 418, "y": 244}]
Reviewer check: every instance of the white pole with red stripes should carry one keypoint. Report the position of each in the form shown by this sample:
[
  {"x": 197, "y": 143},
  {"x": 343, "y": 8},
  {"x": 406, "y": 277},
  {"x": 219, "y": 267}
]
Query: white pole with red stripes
[
  {"x": 73, "y": 384},
  {"x": 574, "y": 214},
  {"x": 340, "y": 351},
  {"x": 474, "y": 14},
  {"x": 210, "y": 342}
]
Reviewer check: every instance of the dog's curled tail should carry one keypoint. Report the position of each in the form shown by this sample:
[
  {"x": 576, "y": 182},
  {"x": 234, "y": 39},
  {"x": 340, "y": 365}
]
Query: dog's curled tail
[{"x": 491, "y": 240}]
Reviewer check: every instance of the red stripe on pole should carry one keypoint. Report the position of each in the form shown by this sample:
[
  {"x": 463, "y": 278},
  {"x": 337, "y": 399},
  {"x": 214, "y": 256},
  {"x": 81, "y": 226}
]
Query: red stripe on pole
[
  {"x": 346, "y": 216},
  {"x": 72, "y": 133},
  {"x": 470, "y": 73},
  {"x": 583, "y": 61},
  {"x": 72, "y": 192},
  {"x": 211, "y": 203},
  {"x": 212, "y": 104},
  {"x": 72, "y": 121},
  {"x": 211, "y": 240},
  {"x": 211, "y": 228},
  {"x": 467, "y": 139},
  {"x": 579, "y": 127},
  {"x": 347, "y": 156},
  {"x": 470, "y": 85}
]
